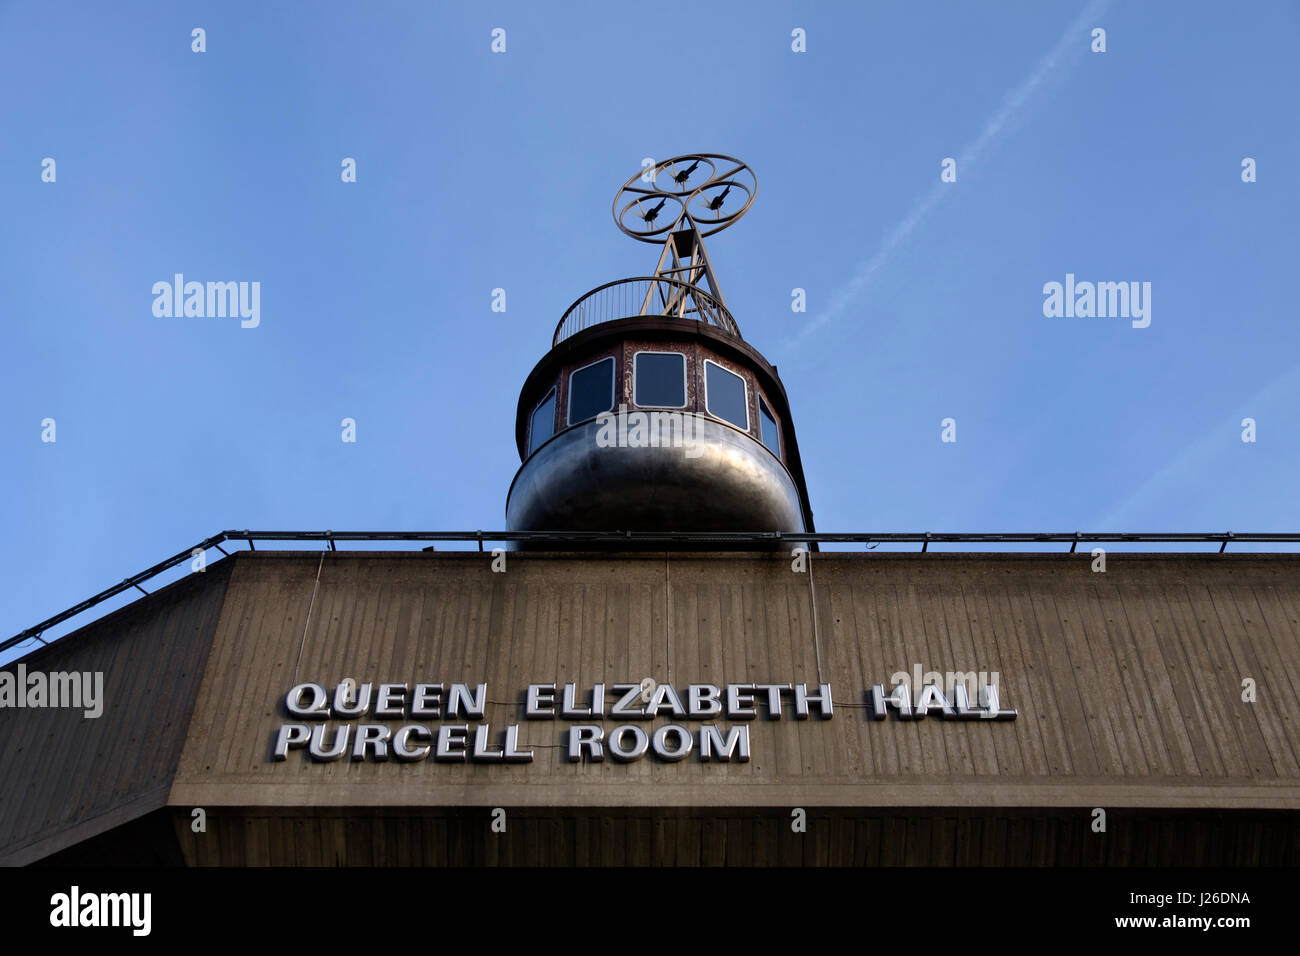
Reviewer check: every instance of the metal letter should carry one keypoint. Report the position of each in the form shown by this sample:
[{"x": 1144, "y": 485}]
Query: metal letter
[
  {"x": 290, "y": 735},
  {"x": 588, "y": 737},
  {"x": 991, "y": 707},
  {"x": 620, "y": 708},
  {"x": 570, "y": 706},
  {"x": 482, "y": 752},
  {"x": 427, "y": 701},
  {"x": 317, "y": 707},
  {"x": 664, "y": 696},
  {"x": 684, "y": 742},
  {"x": 740, "y": 701},
  {"x": 391, "y": 700},
  {"x": 825, "y": 708},
  {"x": 373, "y": 737},
  {"x": 451, "y": 736},
  {"x": 714, "y": 747},
  {"x": 615, "y": 743},
  {"x": 931, "y": 698},
  {"x": 513, "y": 753},
  {"x": 461, "y": 703},
  {"x": 879, "y": 703},
  {"x": 339, "y": 747},
  {"x": 540, "y": 702},
  {"x": 899, "y": 698},
  {"x": 773, "y": 698},
  {"x": 404, "y": 753},
  {"x": 963, "y": 707},
  {"x": 704, "y": 700},
  {"x": 356, "y": 709}
]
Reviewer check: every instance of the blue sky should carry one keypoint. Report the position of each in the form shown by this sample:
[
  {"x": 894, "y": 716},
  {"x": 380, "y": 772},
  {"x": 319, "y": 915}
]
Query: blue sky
[{"x": 479, "y": 170}]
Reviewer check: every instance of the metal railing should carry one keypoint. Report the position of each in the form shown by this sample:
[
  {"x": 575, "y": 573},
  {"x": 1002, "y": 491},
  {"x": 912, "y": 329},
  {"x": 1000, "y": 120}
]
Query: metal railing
[
  {"x": 644, "y": 295},
  {"x": 924, "y": 538}
]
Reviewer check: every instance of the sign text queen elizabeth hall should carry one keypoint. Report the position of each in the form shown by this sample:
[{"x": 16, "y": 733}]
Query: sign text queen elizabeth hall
[{"x": 444, "y": 722}]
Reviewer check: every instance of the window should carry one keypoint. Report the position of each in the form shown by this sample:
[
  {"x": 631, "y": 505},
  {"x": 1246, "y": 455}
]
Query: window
[
  {"x": 767, "y": 425},
  {"x": 659, "y": 379},
  {"x": 724, "y": 395},
  {"x": 543, "y": 423},
  {"x": 591, "y": 390}
]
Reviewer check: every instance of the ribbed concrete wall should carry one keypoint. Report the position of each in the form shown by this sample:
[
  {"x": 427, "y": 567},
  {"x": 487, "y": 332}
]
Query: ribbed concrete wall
[
  {"x": 1128, "y": 682},
  {"x": 64, "y": 777},
  {"x": 1128, "y": 685}
]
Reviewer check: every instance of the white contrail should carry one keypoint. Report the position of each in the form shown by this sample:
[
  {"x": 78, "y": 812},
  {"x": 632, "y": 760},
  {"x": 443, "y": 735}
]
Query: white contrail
[
  {"x": 1197, "y": 457},
  {"x": 1072, "y": 40}
]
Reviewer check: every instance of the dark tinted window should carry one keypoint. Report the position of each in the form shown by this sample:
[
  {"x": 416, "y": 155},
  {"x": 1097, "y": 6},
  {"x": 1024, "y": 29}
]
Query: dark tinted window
[
  {"x": 543, "y": 425},
  {"x": 724, "y": 394},
  {"x": 591, "y": 391},
  {"x": 771, "y": 434},
  {"x": 660, "y": 380}
]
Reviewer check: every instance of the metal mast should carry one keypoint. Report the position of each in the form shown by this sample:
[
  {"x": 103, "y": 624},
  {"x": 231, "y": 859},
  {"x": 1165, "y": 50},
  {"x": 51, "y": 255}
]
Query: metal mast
[{"x": 678, "y": 202}]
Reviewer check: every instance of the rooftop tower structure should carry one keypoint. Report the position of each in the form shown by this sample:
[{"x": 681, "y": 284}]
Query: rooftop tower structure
[{"x": 650, "y": 412}]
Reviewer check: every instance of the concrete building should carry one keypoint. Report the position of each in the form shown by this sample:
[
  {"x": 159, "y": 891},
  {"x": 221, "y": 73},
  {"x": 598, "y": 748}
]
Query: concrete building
[
  {"x": 663, "y": 674},
  {"x": 1127, "y": 687}
]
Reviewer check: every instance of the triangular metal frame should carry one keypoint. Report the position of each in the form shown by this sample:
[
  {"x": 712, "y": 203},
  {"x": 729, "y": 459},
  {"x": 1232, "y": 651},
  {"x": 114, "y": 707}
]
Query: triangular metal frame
[{"x": 684, "y": 259}]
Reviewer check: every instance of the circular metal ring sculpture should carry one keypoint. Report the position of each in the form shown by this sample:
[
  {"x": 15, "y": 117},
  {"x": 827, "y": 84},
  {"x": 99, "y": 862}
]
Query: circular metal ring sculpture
[
  {"x": 709, "y": 189},
  {"x": 650, "y": 215}
]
